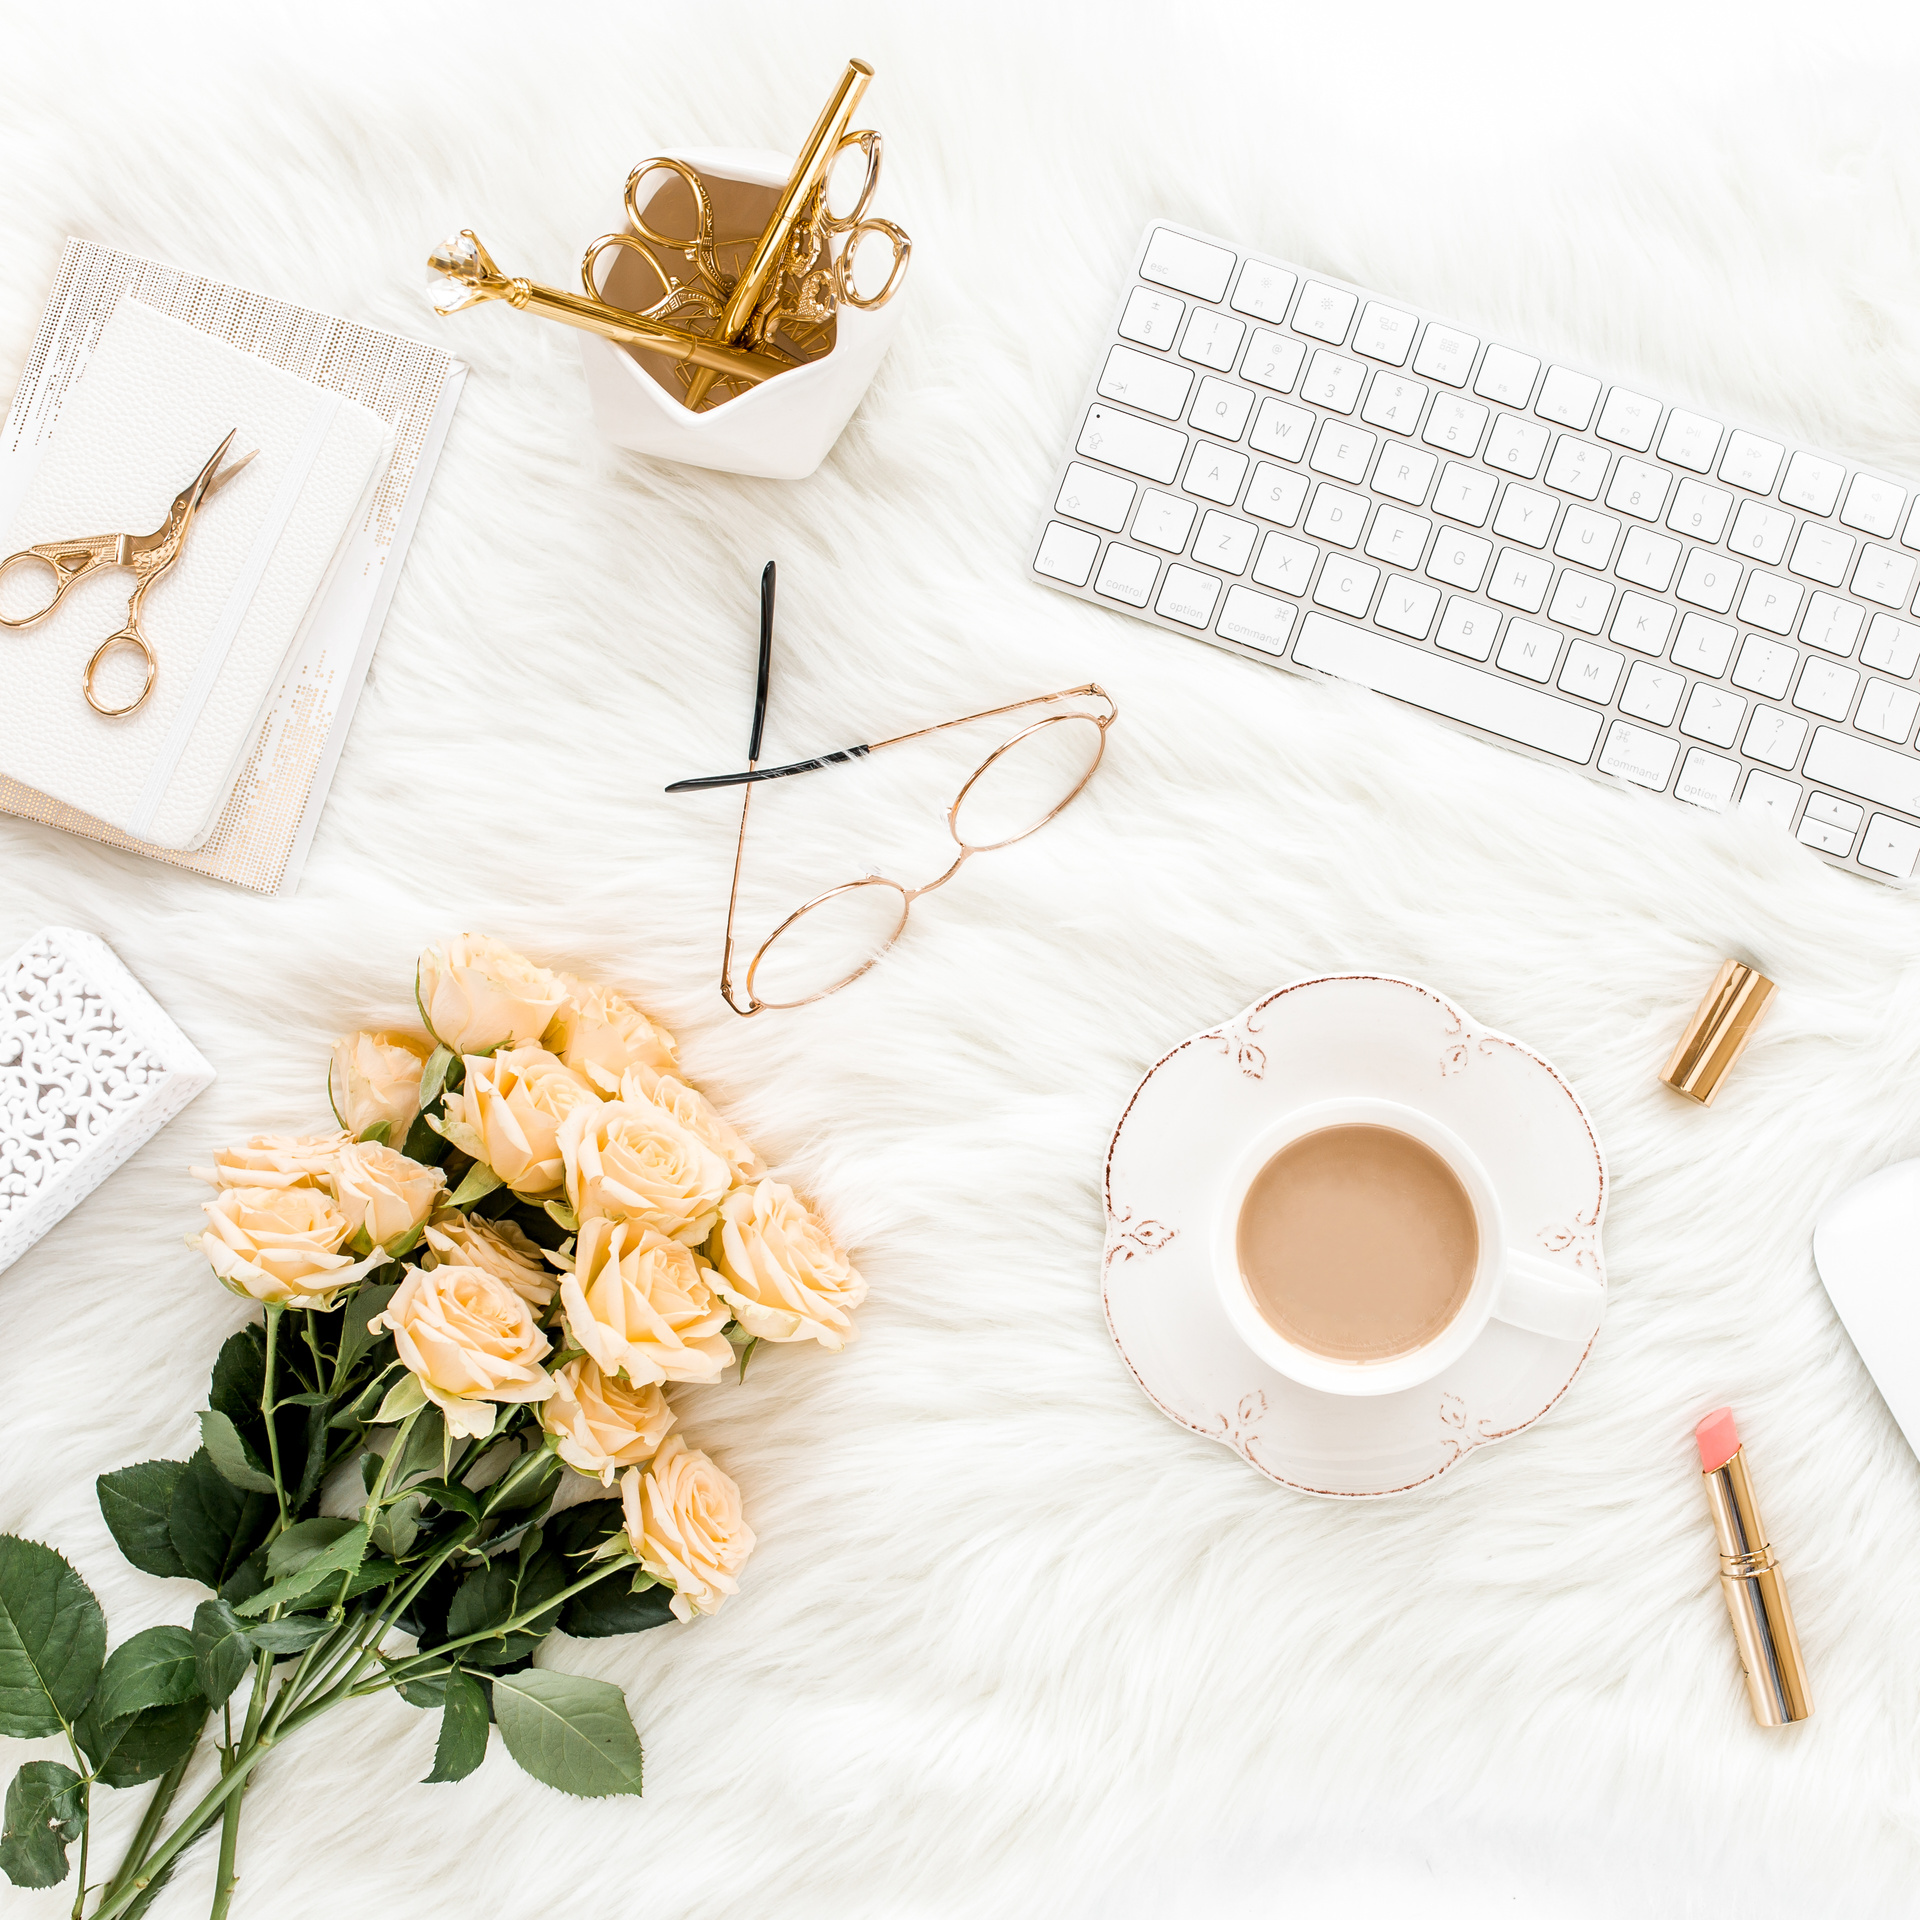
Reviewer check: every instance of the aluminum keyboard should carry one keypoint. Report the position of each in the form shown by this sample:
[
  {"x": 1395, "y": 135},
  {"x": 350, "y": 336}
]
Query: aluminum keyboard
[{"x": 1336, "y": 482}]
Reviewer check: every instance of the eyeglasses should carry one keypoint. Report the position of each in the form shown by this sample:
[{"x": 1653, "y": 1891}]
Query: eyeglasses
[{"x": 836, "y": 936}]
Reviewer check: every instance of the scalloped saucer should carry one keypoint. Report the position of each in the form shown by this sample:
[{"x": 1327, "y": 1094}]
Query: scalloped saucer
[{"x": 1337, "y": 1035}]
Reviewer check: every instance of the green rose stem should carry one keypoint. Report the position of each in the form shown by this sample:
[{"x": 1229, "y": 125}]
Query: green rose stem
[
  {"x": 230, "y": 1813},
  {"x": 267, "y": 1409}
]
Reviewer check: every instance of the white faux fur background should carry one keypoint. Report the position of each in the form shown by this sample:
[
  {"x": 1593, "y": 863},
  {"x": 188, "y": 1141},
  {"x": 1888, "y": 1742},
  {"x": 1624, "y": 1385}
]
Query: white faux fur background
[{"x": 1011, "y": 1642}]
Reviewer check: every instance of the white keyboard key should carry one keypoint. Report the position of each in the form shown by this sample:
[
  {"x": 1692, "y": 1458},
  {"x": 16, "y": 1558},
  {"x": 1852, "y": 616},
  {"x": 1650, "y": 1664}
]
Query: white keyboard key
[
  {"x": 1154, "y": 453},
  {"x": 1455, "y": 425},
  {"x": 1225, "y": 542},
  {"x": 1587, "y": 537},
  {"x": 1154, "y": 386},
  {"x": 1187, "y": 596},
  {"x": 1164, "y": 521},
  {"x": 1822, "y": 553},
  {"x": 1835, "y": 812},
  {"x": 1812, "y": 484},
  {"x": 1100, "y": 499},
  {"x": 1580, "y": 601},
  {"x": 1459, "y": 559},
  {"x": 1275, "y": 494},
  {"x": 1257, "y": 619},
  {"x": 1467, "y": 627},
  {"x": 1831, "y": 625},
  {"x": 1775, "y": 737},
  {"x": 1648, "y": 559},
  {"x": 1407, "y": 606},
  {"x": 1767, "y": 793},
  {"x": 1221, "y": 408},
  {"x": 1263, "y": 291},
  {"x": 1324, "y": 313},
  {"x": 1638, "y": 489},
  {"x": 1343, "y": 452},
  {"x": 1690, "y": 441},
  {"x": 1632, "y": 753},
  {"x": 1516, "y": 445},
  {"x": 1127, "y": 575},
  {"x": 1704, "y": 645},
  {"x": 1394, "y": 402},
  {"x": 1761, "y": 533},
  {"x": 1591, "y": 672},
  {"x": 1707, "y": 780},
  {"x": 1405, "y": 473},
  {"x": 1643, "y": 625},
  {"x": 1151, "y": 318},
  {"x": 1884, "y": 576},
  {"x": 1273, "y": 361},
  {"x": 1707, "y": 580},
  {"x": 1568, "y": 397},
  {"x": 1526, "y": 516},
  {"x": 1279, "y": 428},
  {"x": 1506, "y": 377},
  {"x": 1891, "y": 646},
  {"x": 1873, "y": 506},
  {"x": 1816, "y": 833},
  {"x": 1464, "y": 493},
  {"x": 1911, "y": 538},
  {"x": 1540, "y": 720},
  {"x": 1628, "y": 419},
  {"x": 1771, "y": 602},
  {"x": 1765, "y": 667},
  {"x": 1887, "y": 710},
  {"x": 1385, "y": 333},
  {"x": 1891, "y": 846},
  {"x": 1285, "y": 564},
  {"x": 1519, "y": 580},
  {"x": 1187, "y": 265},
  {"x": 1652, "y": 693},
  {"x": 1530, "y": 650},
  {"x": 1213, "y": 340},
  {"x": 1858, "y": 767},
  {"x": 1445, "y": 354},
  {"x": 1826, "y": 688},
  {"x": 1337, "y": 515},
  {"x": 1333, "y": 381},
  {"x": 1751, "y": 462},
  {"x": 1066, "y": 553},
  {"x": 1700, "y": 511},
  {"x": 1713, "y": 715},
  {"x": 1397, "y": 538},
  {"x": 1215, "y": 473},
  {"x": 1577, "y": 467},
  {"x": 1346, "y": 586}
]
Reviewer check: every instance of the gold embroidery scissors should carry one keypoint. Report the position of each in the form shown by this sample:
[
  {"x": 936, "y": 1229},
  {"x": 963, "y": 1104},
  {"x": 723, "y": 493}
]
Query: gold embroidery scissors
[{"x": 147, "y": 556}]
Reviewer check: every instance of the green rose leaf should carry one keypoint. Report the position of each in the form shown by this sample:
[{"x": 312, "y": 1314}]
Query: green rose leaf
[
  {"x": 231, "y": 1455},
  {"x": 140, "y": 1746},
  {"x": 293, "y": 1549},
  {"x": 222, "y": 1651},
  {"x": 405, "y": 1396},
  {"x": 331, "y": 1565},
  {"x": 53, "y": 1640},
  {"x": 46, "y": 1813},
  {"x": 153, "y": 1669},
  {"x": 376, "y": 1135},
  {"x": 240, "y": 1375},
  {"x": 480, "y": 1181},
  {"x": 433, "y": 1076},
  {"x": 215, "y": 1525},
  {"x": 293, "y": 1635},
  {"x": 524, "y": 1484},
  {"x": 570, "y": 1732},
  {"x": 463, "y": 1729},
  {"x": 364, "y": 1304},
  {"x": 617, "y": 1606},
  {"x": 137, "y": 1505}
]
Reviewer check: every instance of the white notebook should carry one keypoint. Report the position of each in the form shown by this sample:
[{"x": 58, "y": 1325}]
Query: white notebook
[{"x": 157, "y": 397}]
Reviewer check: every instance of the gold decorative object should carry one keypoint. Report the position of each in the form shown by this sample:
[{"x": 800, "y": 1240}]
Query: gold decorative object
[{"x": 1718, "y": 1033}]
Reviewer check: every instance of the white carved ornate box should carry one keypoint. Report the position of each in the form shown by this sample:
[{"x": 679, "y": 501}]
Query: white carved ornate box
[{"x": 90, "y": 1070}]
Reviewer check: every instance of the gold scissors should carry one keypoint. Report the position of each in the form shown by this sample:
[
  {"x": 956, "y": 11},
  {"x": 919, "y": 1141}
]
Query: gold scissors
[{"x": 147, "y": 556}]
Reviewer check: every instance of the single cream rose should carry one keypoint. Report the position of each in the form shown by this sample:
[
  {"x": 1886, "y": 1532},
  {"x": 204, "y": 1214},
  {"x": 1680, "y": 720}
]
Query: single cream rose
[
  {"x": 641, "y": 1164},
  {"x": 640, "y": 1304},
  {"x": 281, "y": 1245},
  {"x": 780, "y": 1271},
  {"x": 496, "y": 1245},
  {"x": 375, "y": 1077},
  {"x": 597, "y": 1027},
  {"x": 685, "y": 1526},
  {"x": 469, "y": 1340},
  {"x": 508, "y": 1113},
  {"x": 383, "y": 1192},
  {"x": 600, "y": 1424},
  {"x": 476, "y": 995},
  {"x": 641, "y": 1085},
  {"x": 275, "y": 1160}
]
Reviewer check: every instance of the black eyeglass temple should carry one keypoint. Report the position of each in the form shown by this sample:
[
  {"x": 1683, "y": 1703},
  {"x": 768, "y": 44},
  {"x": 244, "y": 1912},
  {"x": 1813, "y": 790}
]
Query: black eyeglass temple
[
  {"x": 766, "y": 663},
  {"x": 769, "y": 773}
]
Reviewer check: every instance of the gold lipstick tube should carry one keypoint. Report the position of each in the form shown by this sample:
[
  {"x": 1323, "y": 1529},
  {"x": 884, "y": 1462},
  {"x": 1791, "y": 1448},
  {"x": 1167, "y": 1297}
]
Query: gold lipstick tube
[{"x": 1756, "y": 1595}]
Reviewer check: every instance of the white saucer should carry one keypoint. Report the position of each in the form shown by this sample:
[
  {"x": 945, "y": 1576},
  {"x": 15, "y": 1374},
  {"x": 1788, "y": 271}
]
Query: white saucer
[{"x": 1338, "y": 1035}]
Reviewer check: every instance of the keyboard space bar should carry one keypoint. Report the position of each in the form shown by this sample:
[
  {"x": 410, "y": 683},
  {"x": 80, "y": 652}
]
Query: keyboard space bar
[{"x": 1444, "y": 686}]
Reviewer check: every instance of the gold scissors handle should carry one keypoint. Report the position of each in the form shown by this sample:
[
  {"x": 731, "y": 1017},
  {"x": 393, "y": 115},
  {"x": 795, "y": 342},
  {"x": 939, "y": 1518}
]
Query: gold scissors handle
[
  {"x": 854, "y": 226},
  {"x": 699, "y": 248},
  {"x": 67, "y": 561},
  {"x": 129, "y": 636},
  {"x": 869, "y": 143}
]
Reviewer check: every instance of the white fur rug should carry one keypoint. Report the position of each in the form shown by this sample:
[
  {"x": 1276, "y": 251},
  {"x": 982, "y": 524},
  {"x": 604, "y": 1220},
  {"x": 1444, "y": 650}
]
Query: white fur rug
[{"x": 1011, "y": 1642}]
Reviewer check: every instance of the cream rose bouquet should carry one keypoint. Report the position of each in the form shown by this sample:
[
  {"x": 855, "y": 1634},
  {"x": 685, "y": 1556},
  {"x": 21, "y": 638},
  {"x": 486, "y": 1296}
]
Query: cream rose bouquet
[{"x": 450, "y": 1433}]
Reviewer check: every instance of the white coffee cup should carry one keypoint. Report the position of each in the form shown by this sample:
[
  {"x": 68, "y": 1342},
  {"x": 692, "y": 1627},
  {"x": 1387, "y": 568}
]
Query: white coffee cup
[{"x": 1509, "y": 1284}]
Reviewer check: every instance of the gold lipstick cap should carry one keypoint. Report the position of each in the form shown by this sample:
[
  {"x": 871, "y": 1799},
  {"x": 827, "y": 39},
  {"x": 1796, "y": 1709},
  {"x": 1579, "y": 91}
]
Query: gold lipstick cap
[{"x": 1717, "y": 1034}]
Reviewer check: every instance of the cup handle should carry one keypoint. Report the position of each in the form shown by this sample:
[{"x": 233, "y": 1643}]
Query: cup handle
[{"x": 1542, "y": 1298}]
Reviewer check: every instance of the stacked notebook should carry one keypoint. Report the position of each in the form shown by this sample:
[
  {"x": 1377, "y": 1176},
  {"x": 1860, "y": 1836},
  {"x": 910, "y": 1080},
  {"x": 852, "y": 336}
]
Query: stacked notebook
[{"x": 264, "y": 629}]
